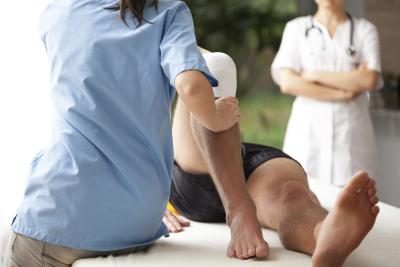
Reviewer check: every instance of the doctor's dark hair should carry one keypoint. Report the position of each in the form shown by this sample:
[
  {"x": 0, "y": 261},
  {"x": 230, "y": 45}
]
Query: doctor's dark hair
[{"x": 136, "y": 7}]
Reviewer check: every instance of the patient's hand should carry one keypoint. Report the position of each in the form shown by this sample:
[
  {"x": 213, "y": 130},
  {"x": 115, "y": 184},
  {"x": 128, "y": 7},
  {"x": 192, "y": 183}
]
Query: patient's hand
[{"x": 175, "y": 223}]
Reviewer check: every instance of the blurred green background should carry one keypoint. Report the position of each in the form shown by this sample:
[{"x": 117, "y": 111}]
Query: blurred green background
[{"x": 250, "y": 32}]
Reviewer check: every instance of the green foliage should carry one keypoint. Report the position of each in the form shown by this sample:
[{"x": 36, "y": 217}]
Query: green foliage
[
  {"x": 250, "y": 31},
  {"x": 265, "y": 117},
  {"x": 231, "y": 24}
]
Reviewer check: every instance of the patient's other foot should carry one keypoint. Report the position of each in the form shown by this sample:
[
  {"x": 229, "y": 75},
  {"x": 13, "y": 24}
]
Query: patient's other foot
[
  {"x": 347, "y": 224},
  {"x": 246, "y": 236}
]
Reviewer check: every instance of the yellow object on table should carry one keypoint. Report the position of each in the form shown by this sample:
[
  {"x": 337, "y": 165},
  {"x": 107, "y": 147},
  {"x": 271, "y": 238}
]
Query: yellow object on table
[{"x": 171, "y": 208}]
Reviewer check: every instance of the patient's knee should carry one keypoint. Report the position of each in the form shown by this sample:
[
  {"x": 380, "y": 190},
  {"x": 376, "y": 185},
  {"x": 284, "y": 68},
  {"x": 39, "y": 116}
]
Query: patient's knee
[
  {"x": 296, "y": 207},
  {"x": 294, "y": 192},
  {"x": 223, "y": 68}
]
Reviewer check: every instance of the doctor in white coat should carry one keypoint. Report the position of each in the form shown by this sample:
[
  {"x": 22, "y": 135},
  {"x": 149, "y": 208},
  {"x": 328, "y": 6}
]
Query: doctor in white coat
[{"x": 330, "y": 61}]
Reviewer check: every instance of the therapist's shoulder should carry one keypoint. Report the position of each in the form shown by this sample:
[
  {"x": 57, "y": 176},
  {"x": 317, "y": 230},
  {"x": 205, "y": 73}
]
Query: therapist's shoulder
[{"x": 168, "y": 10}]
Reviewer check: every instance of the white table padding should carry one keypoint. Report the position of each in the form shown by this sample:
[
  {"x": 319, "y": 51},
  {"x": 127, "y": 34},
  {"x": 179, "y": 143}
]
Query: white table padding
[{"x": 203, "y": 245}]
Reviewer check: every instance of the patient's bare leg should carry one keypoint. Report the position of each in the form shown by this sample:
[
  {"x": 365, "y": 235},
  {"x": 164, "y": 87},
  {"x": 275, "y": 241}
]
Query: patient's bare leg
[
  {"x": 284, "y": 202},
  {"x": 199, "y": 150}
]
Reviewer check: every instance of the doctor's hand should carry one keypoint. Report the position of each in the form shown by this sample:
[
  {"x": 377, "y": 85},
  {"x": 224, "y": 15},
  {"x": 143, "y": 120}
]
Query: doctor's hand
[{"x": 228, "y": 114}]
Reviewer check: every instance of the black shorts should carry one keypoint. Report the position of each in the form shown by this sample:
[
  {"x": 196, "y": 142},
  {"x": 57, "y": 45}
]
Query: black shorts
[{"x": 195, "y": 196}]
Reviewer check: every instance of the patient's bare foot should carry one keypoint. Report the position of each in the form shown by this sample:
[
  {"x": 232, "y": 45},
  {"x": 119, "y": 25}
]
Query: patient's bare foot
[
  {"x": 246, "y": 236},
  {"x": 347, "y": 224}
]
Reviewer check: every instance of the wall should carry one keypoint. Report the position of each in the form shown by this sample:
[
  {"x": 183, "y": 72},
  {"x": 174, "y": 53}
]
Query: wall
[
  {"x": 386, "y": 16},
  {"x": 387, "y": 129},
  {"x": 24, "y": 104},
  {"x": 355, "y": 7}
]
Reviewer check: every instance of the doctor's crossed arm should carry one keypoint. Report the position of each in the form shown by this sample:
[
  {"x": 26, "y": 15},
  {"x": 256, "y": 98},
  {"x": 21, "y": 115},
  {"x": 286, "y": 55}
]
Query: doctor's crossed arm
[
  {"x": 295, "y": 84},
  {"x": 357, "y": 81}
]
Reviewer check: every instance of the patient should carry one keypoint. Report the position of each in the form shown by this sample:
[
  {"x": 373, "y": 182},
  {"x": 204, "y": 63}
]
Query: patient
[{"x": 218, "y": 179}]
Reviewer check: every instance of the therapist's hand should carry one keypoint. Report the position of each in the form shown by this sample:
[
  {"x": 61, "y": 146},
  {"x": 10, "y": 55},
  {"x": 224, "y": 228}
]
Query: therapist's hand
[{"x": 228, "y": 114}]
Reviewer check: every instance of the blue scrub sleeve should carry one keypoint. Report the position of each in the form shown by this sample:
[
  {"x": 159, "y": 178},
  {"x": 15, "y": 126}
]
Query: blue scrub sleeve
[{"x": 179, "y": 51}]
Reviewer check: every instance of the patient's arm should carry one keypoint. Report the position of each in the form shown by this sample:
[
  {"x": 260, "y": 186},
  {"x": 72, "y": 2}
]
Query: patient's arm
[
  {"x": 292, "y": 83},
  {"x": 358, "y": 80}
]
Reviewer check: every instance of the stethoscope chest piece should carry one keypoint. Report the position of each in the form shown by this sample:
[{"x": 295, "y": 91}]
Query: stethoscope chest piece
[{"x": 351, "y": 51}]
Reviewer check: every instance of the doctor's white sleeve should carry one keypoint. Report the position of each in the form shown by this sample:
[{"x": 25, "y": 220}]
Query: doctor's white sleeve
[
  {"x": 370, "y": 50},
  {"x": 288, "y": 56}
]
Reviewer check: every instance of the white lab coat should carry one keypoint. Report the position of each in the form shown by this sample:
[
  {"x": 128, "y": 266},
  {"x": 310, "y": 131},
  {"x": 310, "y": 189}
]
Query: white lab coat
[{"x": 332, "y": 140}]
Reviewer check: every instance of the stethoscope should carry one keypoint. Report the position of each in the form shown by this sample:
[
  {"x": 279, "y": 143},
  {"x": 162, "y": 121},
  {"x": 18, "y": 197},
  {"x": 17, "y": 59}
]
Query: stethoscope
[{"x": 351, "y": 50}]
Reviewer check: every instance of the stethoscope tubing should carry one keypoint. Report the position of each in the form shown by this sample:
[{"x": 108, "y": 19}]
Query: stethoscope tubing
[{"x": 351, "y": 51}]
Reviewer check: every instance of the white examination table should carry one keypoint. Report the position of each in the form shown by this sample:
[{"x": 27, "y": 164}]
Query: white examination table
[{"x": 204, "y": 245}]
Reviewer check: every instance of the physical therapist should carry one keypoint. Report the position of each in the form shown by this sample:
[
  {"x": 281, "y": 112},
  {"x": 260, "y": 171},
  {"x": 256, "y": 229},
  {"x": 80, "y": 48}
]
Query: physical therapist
[
  {"x": 330, "y": 61},
  {"x": 102, "y": 184}
]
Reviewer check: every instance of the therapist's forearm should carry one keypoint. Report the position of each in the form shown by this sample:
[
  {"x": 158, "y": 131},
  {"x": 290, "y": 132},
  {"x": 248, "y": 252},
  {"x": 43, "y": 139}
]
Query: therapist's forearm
[
  {"x": 359, "y": 80},
  {"x": 197, "y": 95},
  {"x": 293, "y": 84}
]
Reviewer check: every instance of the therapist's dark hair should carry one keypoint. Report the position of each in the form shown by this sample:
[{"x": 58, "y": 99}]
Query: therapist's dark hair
[{"x": 136, "y": 7}]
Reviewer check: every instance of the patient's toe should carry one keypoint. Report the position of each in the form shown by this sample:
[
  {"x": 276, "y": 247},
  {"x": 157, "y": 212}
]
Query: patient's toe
[{"x": 262, "y": 250}]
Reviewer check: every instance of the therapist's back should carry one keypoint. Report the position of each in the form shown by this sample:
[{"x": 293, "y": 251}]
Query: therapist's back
[{"x": 103, "y": 182}]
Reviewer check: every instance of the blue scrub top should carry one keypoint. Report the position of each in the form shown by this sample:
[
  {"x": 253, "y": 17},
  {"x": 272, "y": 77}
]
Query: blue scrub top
[{"x": 104, "y": 181}]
